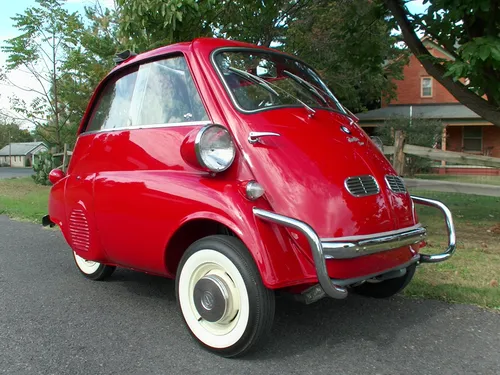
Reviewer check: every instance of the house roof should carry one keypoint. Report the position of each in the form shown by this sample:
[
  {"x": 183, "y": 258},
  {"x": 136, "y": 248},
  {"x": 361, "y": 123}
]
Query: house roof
[
  {"x": 428, "y": 111},
  {"x": 22, "y": 148}
]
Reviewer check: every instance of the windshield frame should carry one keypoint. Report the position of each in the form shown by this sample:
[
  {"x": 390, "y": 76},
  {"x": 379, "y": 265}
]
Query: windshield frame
[{"x": 256, "y": 50}]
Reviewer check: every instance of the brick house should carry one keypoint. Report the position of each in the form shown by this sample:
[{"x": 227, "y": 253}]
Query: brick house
[
  {"x": 21, "y": 154},
  {"x": 420, "y": 95}
]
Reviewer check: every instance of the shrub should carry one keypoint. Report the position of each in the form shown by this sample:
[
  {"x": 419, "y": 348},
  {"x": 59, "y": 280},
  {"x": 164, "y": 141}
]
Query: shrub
[{"x": 42, "y": 166}]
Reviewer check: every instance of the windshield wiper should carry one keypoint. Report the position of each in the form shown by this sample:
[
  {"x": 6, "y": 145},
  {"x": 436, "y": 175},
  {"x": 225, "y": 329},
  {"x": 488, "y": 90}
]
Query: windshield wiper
[
  {"x": 307, "y": 85},
  {"x": 255, "y": 79},
  {"x": 267, "y": 86}
]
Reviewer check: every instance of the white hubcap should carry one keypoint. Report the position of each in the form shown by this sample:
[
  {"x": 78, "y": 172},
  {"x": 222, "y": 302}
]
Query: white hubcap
[
  {"x": 86, "y": 266},
  {"x": 230, "y": 325}
]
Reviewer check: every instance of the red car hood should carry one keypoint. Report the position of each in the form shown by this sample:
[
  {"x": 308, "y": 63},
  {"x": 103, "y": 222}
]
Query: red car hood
[{"x": 304, "y": 171}]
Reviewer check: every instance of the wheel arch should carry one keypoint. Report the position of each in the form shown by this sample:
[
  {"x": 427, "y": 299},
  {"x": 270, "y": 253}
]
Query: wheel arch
[
  {"x": 193, "y": 228},
  {"x": 279, "y": 263}
]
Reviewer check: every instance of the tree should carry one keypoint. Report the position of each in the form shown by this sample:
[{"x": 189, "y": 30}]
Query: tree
[
  {"x": 259, "y": 22},
  {"x": 47, "y": 33},
  {"x": 351, "y": 46},
  {"x": 147, "y": 24},
  {"x": 10, "y": 132},
  {"x": 469, "y": 30},
  {"x": 87, "y": 63}
]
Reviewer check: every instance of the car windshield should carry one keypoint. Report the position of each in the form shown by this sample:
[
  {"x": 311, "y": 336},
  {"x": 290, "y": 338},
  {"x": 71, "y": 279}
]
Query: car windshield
[{"x": 259, "y": 80}]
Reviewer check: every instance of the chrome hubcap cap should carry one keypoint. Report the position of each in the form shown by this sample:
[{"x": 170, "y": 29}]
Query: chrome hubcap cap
[{"x": 212, "y": 299}]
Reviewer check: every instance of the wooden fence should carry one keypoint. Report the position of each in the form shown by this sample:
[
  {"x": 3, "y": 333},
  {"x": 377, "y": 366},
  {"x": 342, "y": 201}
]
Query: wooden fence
[
  {"x": 400, "y": 149},
  {"x": 66, "y": 154}
]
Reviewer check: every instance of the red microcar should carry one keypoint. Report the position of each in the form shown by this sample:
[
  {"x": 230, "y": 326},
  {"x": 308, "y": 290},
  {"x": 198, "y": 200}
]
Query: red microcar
[{"x": 234, "y": 169}]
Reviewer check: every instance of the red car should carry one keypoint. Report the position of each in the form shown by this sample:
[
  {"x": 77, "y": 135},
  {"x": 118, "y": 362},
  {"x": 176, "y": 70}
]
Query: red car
[{"x": 234, "y": 169}]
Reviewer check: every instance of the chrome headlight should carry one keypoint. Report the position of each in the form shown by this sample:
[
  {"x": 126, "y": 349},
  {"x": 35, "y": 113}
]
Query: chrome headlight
[{"x": 214, "y": 147}]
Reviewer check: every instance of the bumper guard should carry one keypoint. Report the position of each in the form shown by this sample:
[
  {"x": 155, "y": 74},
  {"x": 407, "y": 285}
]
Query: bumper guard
[{"x": 356, "y": 246}]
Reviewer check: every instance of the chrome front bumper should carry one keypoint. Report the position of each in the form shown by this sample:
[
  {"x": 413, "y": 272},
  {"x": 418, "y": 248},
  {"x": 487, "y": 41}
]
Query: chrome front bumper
[{"x": 356, "y": 246}]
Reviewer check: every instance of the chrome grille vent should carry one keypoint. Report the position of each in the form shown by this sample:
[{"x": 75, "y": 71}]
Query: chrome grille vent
[
  {"x": 395, "y": 183},
  {"x": 361, "y": 186},
  {"x": 79, "y": 230}
]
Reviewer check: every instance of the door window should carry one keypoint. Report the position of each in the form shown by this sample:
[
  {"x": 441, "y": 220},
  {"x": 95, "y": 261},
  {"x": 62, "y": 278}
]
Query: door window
[{"x": 159, "y": 92}]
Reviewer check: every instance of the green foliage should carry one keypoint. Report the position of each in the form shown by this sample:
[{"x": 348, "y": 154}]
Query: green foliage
[
  {"x": 470, "y": 32},
  {"x": 146, "y": 24},
  {"x": 348, "y": 42},
  {"x": 419, "y": 132},
  {"x": 47, "y": 33},
  {"x": 351, "y": 46},
  {"x": 10, "y": 133},
  {"x": 43, "y": 164}
]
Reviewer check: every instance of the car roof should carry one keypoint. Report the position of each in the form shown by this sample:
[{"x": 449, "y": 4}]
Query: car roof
[{"x": 197, "y": 44}]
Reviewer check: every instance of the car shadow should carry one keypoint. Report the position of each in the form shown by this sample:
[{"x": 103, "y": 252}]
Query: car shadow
[
  {"x": 329, "y": 324},
  {"x": 298, "y": 328}
]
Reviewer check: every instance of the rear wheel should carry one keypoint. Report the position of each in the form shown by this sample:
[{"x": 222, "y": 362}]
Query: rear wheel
[
  {"x": 222, "y": 299},
  {"x": 386, "y": 288},
  {"x": 92, "y": 270}
]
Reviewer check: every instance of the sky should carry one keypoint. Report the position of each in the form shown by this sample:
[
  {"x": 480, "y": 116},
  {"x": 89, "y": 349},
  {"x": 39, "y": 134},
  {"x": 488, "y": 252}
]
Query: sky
[{"x": 12, "y": 7}]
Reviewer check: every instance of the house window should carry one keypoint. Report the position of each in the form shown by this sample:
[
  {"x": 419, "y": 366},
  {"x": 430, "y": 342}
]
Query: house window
[
  {"x": 426, "y": 87},
  {"x": 473, "y": 138}
]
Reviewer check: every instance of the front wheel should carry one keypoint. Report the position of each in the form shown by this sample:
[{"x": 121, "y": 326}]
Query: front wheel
[
  {"x": 386, "y": 288},
  {"x": 223, "y": 301},
  {"x": 93, "y": 270}
]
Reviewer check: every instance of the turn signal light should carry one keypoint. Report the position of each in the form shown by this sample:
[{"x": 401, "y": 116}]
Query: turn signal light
[
  {"x": 254, "y": 190},
  {"x": 55, "y": 175}
]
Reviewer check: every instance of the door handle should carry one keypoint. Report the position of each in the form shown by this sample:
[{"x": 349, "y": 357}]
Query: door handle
[{"x": 254, "y": 137}]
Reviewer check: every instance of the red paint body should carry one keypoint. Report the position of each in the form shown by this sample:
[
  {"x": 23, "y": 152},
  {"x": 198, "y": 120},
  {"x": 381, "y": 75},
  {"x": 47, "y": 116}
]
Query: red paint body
[{"x": 135, "y": 192}]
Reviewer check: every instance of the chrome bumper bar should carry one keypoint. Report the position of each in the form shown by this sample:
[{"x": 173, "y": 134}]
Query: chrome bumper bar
[{"x": 356, "y": 246}]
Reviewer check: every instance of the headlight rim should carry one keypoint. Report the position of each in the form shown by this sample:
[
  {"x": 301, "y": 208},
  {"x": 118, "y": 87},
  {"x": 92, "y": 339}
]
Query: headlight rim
[{"x": 197, "y": 147}]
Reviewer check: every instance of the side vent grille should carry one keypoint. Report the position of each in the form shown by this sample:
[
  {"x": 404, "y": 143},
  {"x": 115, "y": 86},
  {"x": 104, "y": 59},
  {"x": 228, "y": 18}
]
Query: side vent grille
[
  {"x": 395, "y": 183},
  {"x": 79, "y": 230},
  {"x": 361, "y": 186}
]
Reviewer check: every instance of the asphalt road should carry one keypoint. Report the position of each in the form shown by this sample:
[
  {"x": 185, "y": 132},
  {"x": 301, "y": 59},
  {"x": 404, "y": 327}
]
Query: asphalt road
[
  {"x": 53, "y": 321},
  {"x": 7, "y": 172}
]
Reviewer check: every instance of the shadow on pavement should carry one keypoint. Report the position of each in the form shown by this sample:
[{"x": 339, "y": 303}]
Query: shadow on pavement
[{"x": 299, "y": 328}]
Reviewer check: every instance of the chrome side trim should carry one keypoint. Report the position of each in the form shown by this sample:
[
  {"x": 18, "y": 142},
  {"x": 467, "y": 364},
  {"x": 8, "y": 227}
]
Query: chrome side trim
[
  {"x": 345, "y": 250},
  {"x": 368, "y": 236},
  {"x": 254, "y": 137},
  {"x": 150, "y": 126},
  {"x": 450, "y": 228},
  {"x": 354, "y": 280},
  {"x": 330, "y": 289}
]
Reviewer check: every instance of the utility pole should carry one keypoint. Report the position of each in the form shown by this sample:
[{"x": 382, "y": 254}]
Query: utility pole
[{"x": 10, "y": 150}]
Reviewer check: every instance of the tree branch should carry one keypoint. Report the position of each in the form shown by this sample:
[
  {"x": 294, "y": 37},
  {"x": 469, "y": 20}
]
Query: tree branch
[{"x": 474, "y": 102}]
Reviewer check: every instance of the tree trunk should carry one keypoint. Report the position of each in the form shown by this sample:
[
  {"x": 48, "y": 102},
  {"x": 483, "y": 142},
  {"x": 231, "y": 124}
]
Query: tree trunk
[
  {"x": 468, "y": 98},
  {"x": 54, "y": 84}
]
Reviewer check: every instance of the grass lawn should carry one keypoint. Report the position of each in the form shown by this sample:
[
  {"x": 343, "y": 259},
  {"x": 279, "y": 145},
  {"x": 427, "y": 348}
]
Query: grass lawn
[
  {"x": 487, "y": 180},
  {"x": 473, "y": 273},
  {"x": 470, "y": 276},
  {"x": 21, "y": 198}
]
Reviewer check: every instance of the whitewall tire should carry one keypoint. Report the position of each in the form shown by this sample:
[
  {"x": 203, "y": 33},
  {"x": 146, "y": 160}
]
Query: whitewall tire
[
  {"x": 92, "y": 270},
  {"x": 222, "y": 299}
]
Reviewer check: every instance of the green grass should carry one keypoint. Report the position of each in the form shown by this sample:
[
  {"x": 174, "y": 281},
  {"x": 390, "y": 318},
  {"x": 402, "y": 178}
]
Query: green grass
[
  {"x": 473, "y": 273},
  {"x": 470, "y": 276},
  {"x": 487, "y": 180},
  {"x": 21, "y": 198}
]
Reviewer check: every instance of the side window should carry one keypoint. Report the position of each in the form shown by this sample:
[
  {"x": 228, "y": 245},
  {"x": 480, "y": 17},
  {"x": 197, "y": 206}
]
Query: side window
[
  {"x": 112, "y": 111},
  {"x": 159, "y": 92},
  {"x": 165, "y": 93}
]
